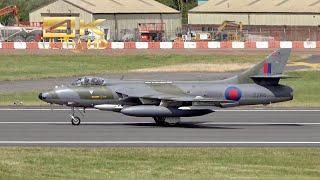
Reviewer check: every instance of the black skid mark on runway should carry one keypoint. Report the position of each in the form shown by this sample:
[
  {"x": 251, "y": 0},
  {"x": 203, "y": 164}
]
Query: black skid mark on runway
[
  {"x": 191, "y": 125},
  {"x": 153, "y": 125},
  {"x": 183, "y": 125},
  {"x": 259, "y": 125},
  {"x": 285, "y": 125},
  {"x": 201, "y": 126}
]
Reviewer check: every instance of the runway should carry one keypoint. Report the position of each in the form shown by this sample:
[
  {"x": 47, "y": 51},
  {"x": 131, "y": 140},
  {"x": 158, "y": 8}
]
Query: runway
[{"x": 43, "y": 127}]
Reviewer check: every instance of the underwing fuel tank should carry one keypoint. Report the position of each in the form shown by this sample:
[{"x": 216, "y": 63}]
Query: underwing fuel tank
[
  {"x": 109, "y": 107},
  {"x": 159, "y": 111}
]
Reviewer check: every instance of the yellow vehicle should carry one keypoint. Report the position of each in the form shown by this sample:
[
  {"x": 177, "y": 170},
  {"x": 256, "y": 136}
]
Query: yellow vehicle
[{"x": 236, "y": 34}]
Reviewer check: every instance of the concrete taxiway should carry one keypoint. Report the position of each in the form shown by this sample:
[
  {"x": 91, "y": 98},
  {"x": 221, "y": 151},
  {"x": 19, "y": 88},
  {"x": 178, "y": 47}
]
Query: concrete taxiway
[{"x": 29, "y": 127}]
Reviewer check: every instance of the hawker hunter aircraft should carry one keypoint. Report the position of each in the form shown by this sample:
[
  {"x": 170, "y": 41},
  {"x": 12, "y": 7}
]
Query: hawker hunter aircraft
[{"x": 166, "y": 101}]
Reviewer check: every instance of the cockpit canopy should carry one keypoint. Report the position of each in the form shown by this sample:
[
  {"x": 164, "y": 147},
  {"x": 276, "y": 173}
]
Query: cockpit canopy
[{"x": 89, "y": 81}]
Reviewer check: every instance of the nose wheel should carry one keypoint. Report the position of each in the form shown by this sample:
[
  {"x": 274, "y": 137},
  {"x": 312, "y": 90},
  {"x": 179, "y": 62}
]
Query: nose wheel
[{"x": 75, "y": 120}]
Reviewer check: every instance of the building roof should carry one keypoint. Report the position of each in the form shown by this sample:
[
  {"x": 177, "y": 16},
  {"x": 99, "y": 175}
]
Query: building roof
[
  {"x": 262, "y": 6},
  {"x": 121, "y": 6}
]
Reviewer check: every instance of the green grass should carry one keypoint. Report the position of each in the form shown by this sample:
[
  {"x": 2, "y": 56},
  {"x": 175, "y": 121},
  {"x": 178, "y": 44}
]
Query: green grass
[
  {"x": 28, "y": 99},
  {"x": 306, "y": 89},
  {"x": 159, "y": 163},
  {"x": 17, "y": 67}
]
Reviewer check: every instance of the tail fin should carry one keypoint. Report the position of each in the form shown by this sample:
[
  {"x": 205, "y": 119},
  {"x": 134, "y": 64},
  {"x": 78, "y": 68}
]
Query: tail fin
[{"x": 269, "y": 71}]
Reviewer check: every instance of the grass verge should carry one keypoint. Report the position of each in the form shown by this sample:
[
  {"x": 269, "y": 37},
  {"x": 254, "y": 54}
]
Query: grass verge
[
  {"x": 306, "y": 89},
  {"x": 21, "y": 99},
  {"x": 159, "y": 163},
  {"x": 17, "y": 67}
]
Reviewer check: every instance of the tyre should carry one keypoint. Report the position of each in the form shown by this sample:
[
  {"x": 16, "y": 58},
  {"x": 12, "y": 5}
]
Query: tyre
[
  {"x": 160, "y": 121},
  {"x": 75, "y": 121},
  {"x": 31, "y": 39}
]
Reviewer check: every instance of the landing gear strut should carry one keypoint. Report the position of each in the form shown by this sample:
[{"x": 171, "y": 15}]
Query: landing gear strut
[{"x": 75, "y": 120}]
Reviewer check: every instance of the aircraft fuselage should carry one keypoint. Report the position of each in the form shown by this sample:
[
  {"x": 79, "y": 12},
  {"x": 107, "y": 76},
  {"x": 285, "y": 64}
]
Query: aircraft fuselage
[{"x": 241, "y": 94}]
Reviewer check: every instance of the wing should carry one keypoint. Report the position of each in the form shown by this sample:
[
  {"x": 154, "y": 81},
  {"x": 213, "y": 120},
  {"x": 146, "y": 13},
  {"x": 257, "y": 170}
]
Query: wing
[{"x": 171, "y": 99}]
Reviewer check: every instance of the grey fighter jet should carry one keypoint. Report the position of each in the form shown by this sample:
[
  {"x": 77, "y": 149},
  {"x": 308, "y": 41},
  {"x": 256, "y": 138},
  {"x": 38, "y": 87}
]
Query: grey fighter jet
[{"x": 167, "y": 101}]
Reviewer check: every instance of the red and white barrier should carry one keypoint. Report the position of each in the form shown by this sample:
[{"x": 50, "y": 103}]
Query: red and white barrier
[
  {"x": 190, "y": 45},
  {"x": 43, "y": 45},
  {"x": 20, "y": 45},
  {"x": 68, "y": 45},
  {"x": 165, "y": 45},
  {"x": 262, "y": 45},
  {"x": 310, "y": 44},
  {"x": 286, "y": 44},
  {"x": 142, "y": 45},
  {"x": 117, "y": 45},
  {"x": 214, "y": 45},
  {"x": 237, "y": 45},
  {"x": 7, "y": 45}
]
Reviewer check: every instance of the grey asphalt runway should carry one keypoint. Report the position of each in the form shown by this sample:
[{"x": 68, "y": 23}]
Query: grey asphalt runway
[{"x": 43, "y": 127}]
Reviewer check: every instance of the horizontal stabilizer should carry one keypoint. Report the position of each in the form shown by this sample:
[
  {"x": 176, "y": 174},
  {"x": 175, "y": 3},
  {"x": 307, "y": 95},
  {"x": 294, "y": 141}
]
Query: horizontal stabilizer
[
  {"x": 276, "y": 76},
  {"x": 269, "y": 80}
]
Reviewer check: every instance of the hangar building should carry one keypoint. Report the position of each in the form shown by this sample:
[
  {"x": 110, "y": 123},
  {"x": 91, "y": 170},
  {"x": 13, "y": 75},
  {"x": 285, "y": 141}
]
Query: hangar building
[
  {"x": 125, "y": 19},
  {"x": 280, "y": 16}
]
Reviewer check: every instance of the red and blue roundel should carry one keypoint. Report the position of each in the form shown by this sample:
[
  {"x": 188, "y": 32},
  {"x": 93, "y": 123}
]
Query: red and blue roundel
[{"x": 233, "y": 94}]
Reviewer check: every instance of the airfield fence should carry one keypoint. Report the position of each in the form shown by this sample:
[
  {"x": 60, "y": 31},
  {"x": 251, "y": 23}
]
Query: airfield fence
[{"x": 164, "y": 45}]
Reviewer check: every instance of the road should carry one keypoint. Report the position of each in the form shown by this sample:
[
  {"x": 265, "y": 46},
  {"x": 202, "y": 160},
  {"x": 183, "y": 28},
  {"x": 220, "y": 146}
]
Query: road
[{"x": 29, "y": 127}]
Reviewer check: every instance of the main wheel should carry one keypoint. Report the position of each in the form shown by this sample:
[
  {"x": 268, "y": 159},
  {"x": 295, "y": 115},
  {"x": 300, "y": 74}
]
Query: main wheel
[
  {"x": 160, "y": 121},
  {"x": 75, "y": 121}
]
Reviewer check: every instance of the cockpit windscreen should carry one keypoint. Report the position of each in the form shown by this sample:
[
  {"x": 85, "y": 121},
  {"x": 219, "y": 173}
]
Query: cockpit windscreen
[{"x": 89, "y": 81}]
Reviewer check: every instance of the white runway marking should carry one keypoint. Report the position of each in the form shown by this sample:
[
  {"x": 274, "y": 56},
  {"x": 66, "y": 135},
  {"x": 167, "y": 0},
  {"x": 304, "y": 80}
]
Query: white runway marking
[
  {"x": 157, "y": 142},
  {"x": 206, "y": 123},
  {"x": 216, "y": 110}
]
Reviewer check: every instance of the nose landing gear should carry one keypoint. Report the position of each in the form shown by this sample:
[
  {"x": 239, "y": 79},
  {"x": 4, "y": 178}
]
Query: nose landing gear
[{"x": 75, "y": 120}]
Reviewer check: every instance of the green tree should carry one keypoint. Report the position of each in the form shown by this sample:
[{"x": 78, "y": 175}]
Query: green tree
[
  {"x": 181, "y": 5},
  {"x": 25, "y": 6}
]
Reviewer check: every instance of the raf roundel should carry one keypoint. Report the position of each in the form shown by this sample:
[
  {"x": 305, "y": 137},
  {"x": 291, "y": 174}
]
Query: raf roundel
[{"x": 233, "y": 94}]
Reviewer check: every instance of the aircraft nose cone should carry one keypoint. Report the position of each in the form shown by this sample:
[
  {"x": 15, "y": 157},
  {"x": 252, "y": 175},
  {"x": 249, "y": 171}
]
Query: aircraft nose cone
[
  {"x": 43, "y": 96},
  {"x": 40, "y": 96}
]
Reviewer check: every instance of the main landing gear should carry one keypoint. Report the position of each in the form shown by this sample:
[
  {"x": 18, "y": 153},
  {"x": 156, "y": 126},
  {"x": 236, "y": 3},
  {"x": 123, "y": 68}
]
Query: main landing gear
[
  {"x": 166, "y": 121},
  {"x": 75, "y": 120}
]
